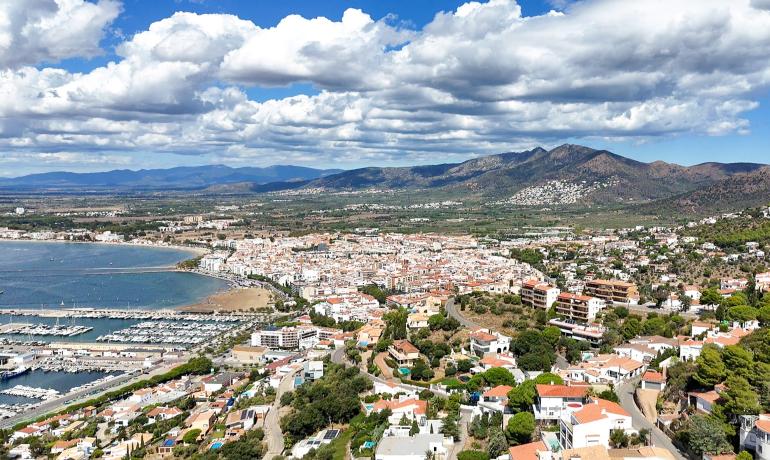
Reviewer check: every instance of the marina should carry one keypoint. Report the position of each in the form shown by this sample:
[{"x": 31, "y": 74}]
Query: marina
[
  {"x": 43, "y": 329},
  {"x": 31, "y": 392},
  {"x": 167, "y": 332},
  {"x": 61, "y": 381}
]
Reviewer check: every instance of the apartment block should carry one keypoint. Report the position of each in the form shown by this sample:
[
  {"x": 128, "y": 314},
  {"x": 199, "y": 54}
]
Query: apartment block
[
  {"x": 612, "y": 291},
  {"x": 538, "y": 295},
  {"x": 581, "y": 308}
]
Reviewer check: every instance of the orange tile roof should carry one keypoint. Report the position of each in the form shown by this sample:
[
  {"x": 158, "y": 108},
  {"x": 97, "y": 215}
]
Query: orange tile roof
[
  {"x": 527, "y": 451},
  {"x": 652, "y": 376},
  {"x": 498, "y": 391},
  {"x": 561, "y": 391},
  {"x": 763, "y": 425},
  {"x": 598, "y": 409}
]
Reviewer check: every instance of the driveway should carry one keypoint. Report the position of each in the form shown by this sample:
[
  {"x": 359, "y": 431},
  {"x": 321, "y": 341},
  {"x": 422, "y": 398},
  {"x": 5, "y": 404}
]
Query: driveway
[
  {"x": 379, "y": 360},
  {"x": 625, "y": 392}
]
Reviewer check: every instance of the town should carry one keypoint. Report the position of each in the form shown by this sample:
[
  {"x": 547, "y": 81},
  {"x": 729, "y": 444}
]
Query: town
[{"x": 645, "y": 342}]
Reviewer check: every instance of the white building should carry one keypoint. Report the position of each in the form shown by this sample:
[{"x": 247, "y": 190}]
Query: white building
[
  {"x": 538, "y": 295},
  {"x": 407, "y": 447},
  {"x": 555, "y": 400},
  {"x": 591, "y": 425},
  {"x": 485, "y": 341},
  {"x": 755, "y": 435}
]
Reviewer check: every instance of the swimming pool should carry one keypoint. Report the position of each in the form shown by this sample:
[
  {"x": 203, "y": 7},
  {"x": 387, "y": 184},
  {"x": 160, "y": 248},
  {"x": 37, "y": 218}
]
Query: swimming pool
[{"x": 404, "y": 371}]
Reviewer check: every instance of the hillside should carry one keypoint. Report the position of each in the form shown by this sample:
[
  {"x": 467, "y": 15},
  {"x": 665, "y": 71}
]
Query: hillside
[
  {"x": 181, "y": 178},
  {"x": 587, "y": 175}
]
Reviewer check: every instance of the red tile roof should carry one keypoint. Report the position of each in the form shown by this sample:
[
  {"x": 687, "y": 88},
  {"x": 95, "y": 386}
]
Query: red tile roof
[{"x": 561, "y": 391}]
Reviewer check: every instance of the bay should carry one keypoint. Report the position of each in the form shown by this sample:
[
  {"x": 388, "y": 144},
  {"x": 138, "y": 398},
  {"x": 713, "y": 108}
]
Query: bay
[{"x": 47, "y": 274}]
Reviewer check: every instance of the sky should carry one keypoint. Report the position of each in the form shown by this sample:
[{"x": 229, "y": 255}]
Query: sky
[{"x": 93, "y": 85}]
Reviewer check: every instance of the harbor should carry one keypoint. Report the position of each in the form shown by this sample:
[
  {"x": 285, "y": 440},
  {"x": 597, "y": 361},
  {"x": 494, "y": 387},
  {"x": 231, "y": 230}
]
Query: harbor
[
  {"x": 43, "y": 329},
  {"x": 167, "y": 332}
]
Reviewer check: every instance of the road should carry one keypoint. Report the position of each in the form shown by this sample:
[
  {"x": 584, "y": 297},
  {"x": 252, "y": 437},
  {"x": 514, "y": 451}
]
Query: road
[
  {"x": 273, "y": 432},
  {"x": 625, "y": 393},
  {"x": 56, "y": 405},
  {"x": 451, "y": 309},
  {"x": 465, "y": 419}
]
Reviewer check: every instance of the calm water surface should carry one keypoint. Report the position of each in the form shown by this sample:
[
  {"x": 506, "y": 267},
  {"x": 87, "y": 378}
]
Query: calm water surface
[{"x": 43, "y": 275}]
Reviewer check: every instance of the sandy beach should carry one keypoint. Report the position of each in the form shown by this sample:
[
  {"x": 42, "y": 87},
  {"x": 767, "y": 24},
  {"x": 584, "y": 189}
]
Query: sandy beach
[{"x": 238, "y": 299}]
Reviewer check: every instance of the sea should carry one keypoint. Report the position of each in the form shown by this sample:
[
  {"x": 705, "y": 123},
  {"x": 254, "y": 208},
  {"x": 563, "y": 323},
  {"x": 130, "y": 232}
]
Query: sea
[{"x": 47, "y": 275}]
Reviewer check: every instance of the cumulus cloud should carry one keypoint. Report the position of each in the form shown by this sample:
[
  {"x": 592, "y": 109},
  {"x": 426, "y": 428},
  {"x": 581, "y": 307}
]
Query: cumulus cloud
[
  {"x": 480, "y": 79},
  {"x": 34, "y": 31}
]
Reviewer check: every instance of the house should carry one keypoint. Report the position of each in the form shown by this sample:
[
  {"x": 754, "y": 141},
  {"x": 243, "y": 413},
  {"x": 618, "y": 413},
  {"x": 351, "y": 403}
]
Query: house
[
  {"x": 652, "y": 380},
  {"x": 240, "y": 419},
  {"x": 529, "y": 451},
  {"x": 323, "y": 437},
  {"x": 162, "y": 413},
  {"x": 755, "y": 435},
  {"x": 245, "y": 354},
  {"x": 61, "y": 445},
  {"x": 405, "y": 447},
  {"x": 312, "y": 370},
  {"x": 703, "y": 401},
  {"x": 203, "y": 421},
  {"x": 411, "y": 408},
  {"x": 495, "y": 399},
  {"x": 404, "y": 353},
  {"x": 591, "y": 425},
  {"x": 538, "y": 295},
  {"x": 417, "y": 321},
  {"x": 492, "y": 360},
  {"x": 370, "y": 333},
  {"x": 554, "y": 400},
  {"x": 485, "y": 341}
]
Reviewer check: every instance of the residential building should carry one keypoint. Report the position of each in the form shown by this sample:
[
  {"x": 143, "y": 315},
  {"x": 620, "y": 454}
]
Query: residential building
[
  {"x": 652, "y": 380},
  {"x": 495, "y": 399},
  {"x": 591, "y": 425},
  {"x": 405, "y": 447},
  {"x": 245, "y": 354},
  {"x": 538, "y": 295},
  {"x": 529, "y": 451},
  {"x": 581, "y": 308},
  {"x": 554, "y": 400},
  {"x": 404, "y": 353},
  {"x": 485, "y": 341},
  {"x": 612, "y": 291},
  {"x": 411, "y": 408},
  {"x": 755, "y": 435}
]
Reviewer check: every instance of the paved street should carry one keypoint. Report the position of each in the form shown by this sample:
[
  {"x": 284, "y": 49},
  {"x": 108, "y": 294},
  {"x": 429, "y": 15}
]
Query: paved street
[
  {"x": 625, "y": 393},
  {"x": 273, "y": 433},
  {"x": 451, "y": 309}
]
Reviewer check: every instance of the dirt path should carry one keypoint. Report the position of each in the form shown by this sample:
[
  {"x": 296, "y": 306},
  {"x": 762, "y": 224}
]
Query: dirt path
[{"x": 648, "y": 400}]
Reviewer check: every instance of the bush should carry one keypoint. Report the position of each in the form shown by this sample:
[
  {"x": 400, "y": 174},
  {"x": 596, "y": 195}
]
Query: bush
[{"x": 472, "y": 455}]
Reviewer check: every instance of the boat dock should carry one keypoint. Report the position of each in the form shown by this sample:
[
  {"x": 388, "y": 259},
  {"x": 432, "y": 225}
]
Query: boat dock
[
  {"x": 32, "y": 392},
  {"x": 145, "y": 315},
  {"x": 44, "y": 329},
  {"x": 167, "y": 332}
]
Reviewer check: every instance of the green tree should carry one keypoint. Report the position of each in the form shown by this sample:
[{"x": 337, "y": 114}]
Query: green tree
[
  {"x": 744, "y": 456},
  {"x": 710, "y": 296},
  {"x": 631, "y": 328},
  {"x": 618, "y": 439},
  {"x": 711, "y": 369},
  {"x": 738, "y": 360},
  {"x": 739, "y": 398},
  {"x": 520, "y": 428},
  {"x": 498, "y": 444},
  {"x": 742, "y": 313},
  {"x": 704, "y": 434}
]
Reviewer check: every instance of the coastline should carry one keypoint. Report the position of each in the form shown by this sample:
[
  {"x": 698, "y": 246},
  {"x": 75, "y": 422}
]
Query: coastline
[{"x": 197, "y": 251}]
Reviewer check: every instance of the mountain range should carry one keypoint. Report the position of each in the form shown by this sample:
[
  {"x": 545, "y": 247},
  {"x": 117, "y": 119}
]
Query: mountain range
[
  {"x": 592, "y": 177},
  {"x": 180, "y": 178}
]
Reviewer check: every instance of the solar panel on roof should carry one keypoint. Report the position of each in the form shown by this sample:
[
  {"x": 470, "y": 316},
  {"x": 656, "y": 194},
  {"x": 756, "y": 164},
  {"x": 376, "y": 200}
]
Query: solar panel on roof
[{"x": 331, "y": 434}]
